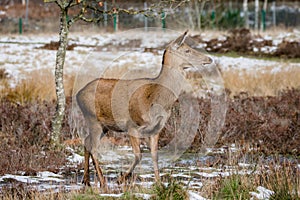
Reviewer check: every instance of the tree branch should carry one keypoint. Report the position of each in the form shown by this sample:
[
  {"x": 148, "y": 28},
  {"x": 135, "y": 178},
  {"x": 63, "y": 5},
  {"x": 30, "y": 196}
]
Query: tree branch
[
  {"x": 152, "y": 11},
  {"x": 49, "y": 1}
]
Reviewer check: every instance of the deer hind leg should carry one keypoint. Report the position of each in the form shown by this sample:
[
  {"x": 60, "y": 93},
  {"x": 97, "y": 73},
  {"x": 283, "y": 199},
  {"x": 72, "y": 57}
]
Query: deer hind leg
[
  {"x": 99, "y": 172},
  {"x": 91, "y": 145},
  {"x": 135, "y": 143},
  {"x": 86, "y": 175},
  {"x": 154, "y": 155}
]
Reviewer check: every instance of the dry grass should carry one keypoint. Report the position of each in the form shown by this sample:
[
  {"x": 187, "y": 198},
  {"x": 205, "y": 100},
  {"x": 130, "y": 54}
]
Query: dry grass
[
  {"x": 280, "y": 175},
  {"x": 261, "y": 83},
  {"x": 21, "y": 191},
  {"x": 39, "y": 85}
]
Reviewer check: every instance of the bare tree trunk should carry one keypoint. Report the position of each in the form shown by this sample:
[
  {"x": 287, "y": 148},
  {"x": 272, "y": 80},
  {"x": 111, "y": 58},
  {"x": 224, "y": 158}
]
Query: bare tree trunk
[
  {"x": 190, "y": 16},
  {"x": 197, "y": 13},
  {"x": 200, "y": 14},
  {"x": 59, "y": 79}
]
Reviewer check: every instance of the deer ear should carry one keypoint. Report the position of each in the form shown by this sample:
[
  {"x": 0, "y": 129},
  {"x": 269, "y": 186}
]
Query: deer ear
[{"x": 180, "y": 40}]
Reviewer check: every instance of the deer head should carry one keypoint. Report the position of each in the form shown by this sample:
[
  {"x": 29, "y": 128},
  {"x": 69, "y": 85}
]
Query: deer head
[{"x": 180, "y": 55}]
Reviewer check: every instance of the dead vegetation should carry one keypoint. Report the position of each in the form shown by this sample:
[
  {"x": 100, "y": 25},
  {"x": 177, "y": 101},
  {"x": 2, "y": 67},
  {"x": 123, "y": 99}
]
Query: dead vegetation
[
  {"x": 54, "y": 46},
  {"x": 244, "y": 42},
  {"x": 261, "y": 82},
  {"x": 270, "y": 124}
]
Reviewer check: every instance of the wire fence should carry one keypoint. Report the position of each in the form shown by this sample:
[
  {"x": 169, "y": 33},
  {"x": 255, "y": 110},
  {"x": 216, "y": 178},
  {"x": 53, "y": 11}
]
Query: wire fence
[{"x": 194, "y": 15}]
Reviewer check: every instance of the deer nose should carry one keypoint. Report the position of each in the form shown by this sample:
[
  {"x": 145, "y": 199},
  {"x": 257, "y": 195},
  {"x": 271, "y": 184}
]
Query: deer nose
[{"x": 208, "y": 61}]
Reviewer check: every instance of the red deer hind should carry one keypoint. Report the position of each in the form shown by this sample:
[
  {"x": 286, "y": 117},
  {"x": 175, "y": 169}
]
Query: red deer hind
[{"x": 139, "y": 106}]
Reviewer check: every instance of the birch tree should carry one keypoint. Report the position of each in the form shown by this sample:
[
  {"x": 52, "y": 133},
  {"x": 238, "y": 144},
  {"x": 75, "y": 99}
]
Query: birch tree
[{"x": 86, "y": 11}]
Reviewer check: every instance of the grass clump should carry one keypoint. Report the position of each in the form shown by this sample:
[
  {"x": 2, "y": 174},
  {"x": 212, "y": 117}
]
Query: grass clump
[
  {"x": 233, "y": 188},
  {"x": 173, "y": 190},
  {"x": 284, "y": 181}
]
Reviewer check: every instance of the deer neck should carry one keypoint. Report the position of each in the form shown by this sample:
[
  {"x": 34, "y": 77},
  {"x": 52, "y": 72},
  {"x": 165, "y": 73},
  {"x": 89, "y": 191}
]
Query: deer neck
[
  {"x": 166, "y": 66},
  {"x": 169, "y": 76}
]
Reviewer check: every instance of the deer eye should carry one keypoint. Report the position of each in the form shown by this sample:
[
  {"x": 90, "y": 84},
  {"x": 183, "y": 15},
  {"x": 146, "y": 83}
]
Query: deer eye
[{"x": 187, "y": 51}]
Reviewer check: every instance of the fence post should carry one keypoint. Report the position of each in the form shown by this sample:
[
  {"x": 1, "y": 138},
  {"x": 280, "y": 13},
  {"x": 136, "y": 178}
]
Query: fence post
[
  {"x": 263, "y": 20},
  {"x": 163, "y": 19},
  {"x": 256, "y": 14},
  {"x": 263, "y": 16},
  {"x": 105, "y": 15},
  {"x": 20, "y": 26},
  {"x": 213, "y": 17},
  {"x": 26, "y": 14},
  {"x": 274, "y": 13},
  {"x": 116, "y": 19},
  {"x": 146, "y": 18},
  {"x": 246, "y": 17}
]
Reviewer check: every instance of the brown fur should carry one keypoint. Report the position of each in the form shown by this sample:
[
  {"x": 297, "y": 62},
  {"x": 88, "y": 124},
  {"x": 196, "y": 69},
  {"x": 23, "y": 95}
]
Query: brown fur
[{"x": 138, "y": 106}]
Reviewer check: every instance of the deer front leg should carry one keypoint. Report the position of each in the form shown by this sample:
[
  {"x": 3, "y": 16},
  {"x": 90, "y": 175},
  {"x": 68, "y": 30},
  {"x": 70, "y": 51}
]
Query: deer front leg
[
  {"x": 154, "y": 149},
  {"x": 135, "y": 143}
]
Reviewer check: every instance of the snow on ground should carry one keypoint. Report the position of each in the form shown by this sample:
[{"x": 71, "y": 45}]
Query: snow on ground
[
  {"x": 188, "y": 175},
  {"x": 251, "y": 64},
  {"x": 263, "y": 193},
  {"x": 195, "y": 196},
  {"x": 20, "y": 54}
]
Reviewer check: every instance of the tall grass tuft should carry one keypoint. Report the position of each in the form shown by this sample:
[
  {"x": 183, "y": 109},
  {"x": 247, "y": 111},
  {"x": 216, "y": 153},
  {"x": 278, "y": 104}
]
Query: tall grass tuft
[
  {"x": 234, "y": 187},
  {"x": 284, "y": 180},
  {"x": 173, "y": 190}
]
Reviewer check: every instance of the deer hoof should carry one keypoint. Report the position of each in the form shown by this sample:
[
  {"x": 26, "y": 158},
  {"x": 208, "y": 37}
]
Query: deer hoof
[{"x": 86, "y": 182}]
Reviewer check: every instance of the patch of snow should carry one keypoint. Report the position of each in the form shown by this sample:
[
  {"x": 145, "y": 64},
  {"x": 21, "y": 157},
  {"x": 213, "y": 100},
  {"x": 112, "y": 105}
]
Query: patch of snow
[
  {"x": 276, "y": 42},
  {"x": 125, "y": 148},
  {"x": 249, "y": 64},
  {"x": 23, "y": 179},
  {"x": 259, "y": 39},
  {"x": 245, "y": 165},
  {"x": 111, "y": 195},
  {"x": 195, "y": 196},
  {"x": 215, "y": 150},
  {"x": 201, "y": 45},
  {"x": 48, "y": 174},
  {"x": 263, "y": 193},
  {"x": 193, "y": 168},
  {"x": 213, "y": 174},
  {"x": 268, "y": 37},
  {"x": 147, "y": 184},
  {"x": 73, "y": 187},
  {"x": 207, "y": 168},
  {"x": 268, "y": 49},
  {"x": 276, "y": 70},
  {"x": 181, "y": 175},
  {"x": 193, "y": 184},
  {"x": 222, "y": 38},
  {"x": 144, "y": 196},
  {"x": 74, "y": 158},
  {"x": 147, "y": 175}
]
